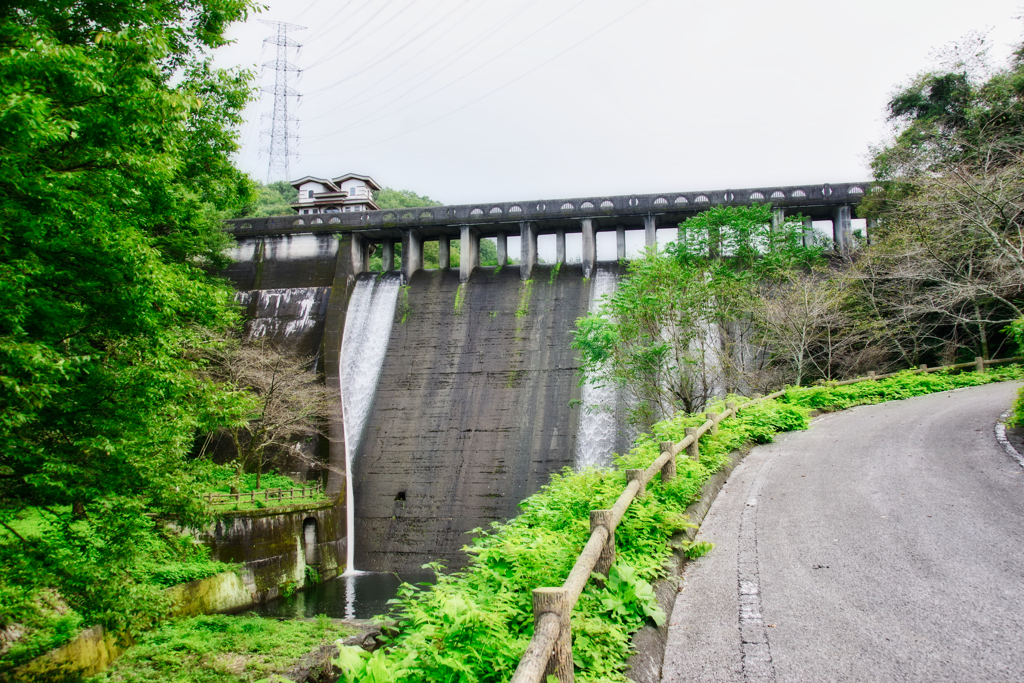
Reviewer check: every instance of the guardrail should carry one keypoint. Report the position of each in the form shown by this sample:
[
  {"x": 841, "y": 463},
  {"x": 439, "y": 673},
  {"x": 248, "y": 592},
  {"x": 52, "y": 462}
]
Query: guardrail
[
  {"x": 550, "y": 649},
  {"x": 266, "y": 494}
]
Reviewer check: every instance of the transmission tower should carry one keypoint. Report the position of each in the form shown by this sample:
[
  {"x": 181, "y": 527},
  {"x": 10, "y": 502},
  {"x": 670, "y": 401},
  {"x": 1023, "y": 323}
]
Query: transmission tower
[{"x": 281, "y": 134}]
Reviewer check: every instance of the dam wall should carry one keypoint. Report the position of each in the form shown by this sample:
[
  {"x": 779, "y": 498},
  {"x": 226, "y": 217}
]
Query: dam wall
[
  {"x": 472, "y": 410},
  {"x": 471, "y": 413}
]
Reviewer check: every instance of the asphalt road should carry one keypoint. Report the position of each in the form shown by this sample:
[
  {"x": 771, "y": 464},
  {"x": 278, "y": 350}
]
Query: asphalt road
[{"x": 884, "y": 544}]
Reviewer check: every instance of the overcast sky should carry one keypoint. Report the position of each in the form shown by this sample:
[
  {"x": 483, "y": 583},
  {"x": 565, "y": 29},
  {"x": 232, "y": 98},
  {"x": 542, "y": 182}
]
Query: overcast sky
[{"x": 499, "y": 100}]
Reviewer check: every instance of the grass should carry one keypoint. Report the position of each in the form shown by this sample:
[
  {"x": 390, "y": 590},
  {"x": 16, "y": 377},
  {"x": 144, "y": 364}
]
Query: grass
[
  {"x": 906, "y": 384},
  {"x": 224, "y": 479},
  {"x": 220, "y": 649}
]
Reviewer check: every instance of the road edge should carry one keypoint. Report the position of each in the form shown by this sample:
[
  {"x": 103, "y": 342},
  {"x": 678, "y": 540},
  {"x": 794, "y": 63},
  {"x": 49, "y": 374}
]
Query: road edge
[{"x": 1000, "y": 430}]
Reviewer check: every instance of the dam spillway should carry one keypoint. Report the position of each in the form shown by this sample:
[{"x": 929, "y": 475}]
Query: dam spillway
[{"x": 472, "y": 411}]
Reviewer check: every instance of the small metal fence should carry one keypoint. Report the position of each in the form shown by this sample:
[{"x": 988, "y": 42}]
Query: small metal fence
[{"x": 278, "y": 495}]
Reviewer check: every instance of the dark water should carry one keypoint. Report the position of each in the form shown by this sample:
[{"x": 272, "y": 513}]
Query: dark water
[{"x": 347, "y": 597}]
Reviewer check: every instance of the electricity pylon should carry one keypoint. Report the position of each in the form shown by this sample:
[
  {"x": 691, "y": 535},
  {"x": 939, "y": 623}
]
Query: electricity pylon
[{"x": 281, "y": 134}]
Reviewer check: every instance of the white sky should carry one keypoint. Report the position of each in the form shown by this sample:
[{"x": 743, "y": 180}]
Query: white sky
[{"x": 500, "y": 100}]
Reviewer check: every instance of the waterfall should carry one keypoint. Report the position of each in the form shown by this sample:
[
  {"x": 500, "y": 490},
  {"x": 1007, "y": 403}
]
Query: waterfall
[
  {"x": 596, "y": 435},
  {"x": 371, "y": 311}
]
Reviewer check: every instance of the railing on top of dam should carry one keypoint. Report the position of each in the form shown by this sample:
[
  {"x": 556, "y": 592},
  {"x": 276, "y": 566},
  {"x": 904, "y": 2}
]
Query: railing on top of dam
[
  {"x": 470, "y": 222},
  {"x": 818, "y": 197},
  {"x": 550, "y": 650}
]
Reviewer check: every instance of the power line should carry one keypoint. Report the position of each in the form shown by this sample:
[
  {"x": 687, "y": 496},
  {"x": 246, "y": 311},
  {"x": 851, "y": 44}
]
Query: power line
[
  {"x": 503, "y": 86},
  {"x": 280, "y": 148},
  {"x": 365, "y": 122},
  {"x": 445, "y": 61},
  {"x": 344, "y": 41},
  {"x": 399, "y": 38},
  {"x": 327, "y": 26}
]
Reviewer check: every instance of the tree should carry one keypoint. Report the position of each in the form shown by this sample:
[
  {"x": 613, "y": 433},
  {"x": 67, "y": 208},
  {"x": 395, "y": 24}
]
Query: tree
[
  {"x": 275, "y": 199},
  {"x": 808, "y": 327},
  {"x": 115, "y": 173},
  {"x": 679, "y": 328},
  {"x": 949, "y": 269},
  {"x": 389, "y": 198},
  {"x": 288, "y": 402}
]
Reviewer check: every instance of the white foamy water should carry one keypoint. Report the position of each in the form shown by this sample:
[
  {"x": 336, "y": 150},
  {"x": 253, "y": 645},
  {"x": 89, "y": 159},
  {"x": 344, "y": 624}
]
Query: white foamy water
[
  {"x": 595, "y": 437},
  {"x": 371, "y": 311},
  {"x": 292, "y": 310}
]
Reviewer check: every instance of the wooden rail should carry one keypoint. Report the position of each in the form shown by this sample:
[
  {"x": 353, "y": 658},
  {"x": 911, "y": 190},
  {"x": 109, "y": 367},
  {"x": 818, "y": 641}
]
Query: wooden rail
[
  {"x": 266, "y": 494},
  {"x": 550, "y": 650}
]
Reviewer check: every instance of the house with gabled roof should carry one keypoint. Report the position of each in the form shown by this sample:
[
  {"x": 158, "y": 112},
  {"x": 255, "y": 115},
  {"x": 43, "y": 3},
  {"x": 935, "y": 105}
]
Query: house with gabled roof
[{"x": 349, "y": 192}]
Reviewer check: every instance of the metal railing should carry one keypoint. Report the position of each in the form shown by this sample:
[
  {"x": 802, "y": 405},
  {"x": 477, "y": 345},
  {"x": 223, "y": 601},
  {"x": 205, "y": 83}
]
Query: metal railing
[
  {"x": 277, "y": 495},
  {"x": 550, "y": 650}
]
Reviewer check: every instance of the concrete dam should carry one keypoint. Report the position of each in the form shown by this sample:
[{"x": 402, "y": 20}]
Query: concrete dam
[{"x": 456, "y": 385}]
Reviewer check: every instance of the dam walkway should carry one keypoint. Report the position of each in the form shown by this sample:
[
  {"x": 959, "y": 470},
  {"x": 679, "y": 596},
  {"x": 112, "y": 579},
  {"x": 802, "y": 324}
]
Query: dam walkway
[{"x": 884, "y": 544}]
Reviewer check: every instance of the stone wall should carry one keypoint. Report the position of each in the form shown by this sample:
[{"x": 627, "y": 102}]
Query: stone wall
[{"x": 274, "y": 548}]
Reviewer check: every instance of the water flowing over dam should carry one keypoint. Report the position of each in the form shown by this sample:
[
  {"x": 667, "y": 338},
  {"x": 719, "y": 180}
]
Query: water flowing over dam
[
  {"x": 371, "y": 311},
  {"x": 601, "y": 414}
]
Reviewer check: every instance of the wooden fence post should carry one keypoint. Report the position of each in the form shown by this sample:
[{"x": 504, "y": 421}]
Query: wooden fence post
[
  {"x": 693, "y": 450},
  {"x": 923, "y": 367},
  {"x": 979, "y": 364},
  {"x": 871, "y": 375},
  {"x": 553, "y": 600},
  {"x": 604, "y": 518},
  {"x": 731, "y": 405},
  {"x": 668, "y": 470},
  {"x": 638, "y": 475},
  {"x": 714, "y": 422}
]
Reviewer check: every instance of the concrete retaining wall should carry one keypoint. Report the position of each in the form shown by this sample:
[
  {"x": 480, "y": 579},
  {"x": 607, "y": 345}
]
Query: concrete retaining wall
[{"x": 271, "y": 544}]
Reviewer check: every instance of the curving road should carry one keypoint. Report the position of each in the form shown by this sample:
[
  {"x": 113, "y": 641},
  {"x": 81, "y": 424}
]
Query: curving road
[{"x": 884, "y": 544}]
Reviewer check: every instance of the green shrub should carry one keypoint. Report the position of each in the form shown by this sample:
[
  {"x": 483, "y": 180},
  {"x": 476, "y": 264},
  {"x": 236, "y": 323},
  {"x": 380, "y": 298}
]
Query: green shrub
[
  {"x": 902, "y": 385},
  {"x": 219, "y": 649}
]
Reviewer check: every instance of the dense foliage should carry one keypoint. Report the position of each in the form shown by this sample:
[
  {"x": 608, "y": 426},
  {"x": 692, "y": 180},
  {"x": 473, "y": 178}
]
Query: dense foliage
[
  {"x": 681, "y": 324},
  {"x": 221, "y": 649},
  {"x": 115, "y": 171},
  {"x": 274, "y": 199},
  {"x": 390, "y": 198},
  {"x": 947, "y": 272},
  {"x": 57, "y": 580},
  {"x": 903, "y": 385}
]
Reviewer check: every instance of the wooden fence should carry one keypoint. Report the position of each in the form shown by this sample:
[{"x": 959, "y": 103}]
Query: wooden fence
[
  {"x": 550, "y": 649},
  {"x": 277, "y": 495}
]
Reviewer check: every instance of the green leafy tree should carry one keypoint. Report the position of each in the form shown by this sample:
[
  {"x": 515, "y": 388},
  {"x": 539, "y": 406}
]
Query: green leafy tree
[
  {"x": 115, "y": 172},
  {"x": 947, "y": 273},
  {"x": 390, "y": 198},
  {"x": 274, "y": 199},
  {"x": 680, "y": 328}
]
